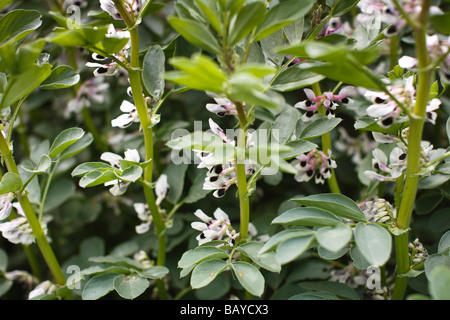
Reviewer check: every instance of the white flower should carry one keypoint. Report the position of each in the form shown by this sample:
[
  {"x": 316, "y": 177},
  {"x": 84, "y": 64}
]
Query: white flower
[
  {"x": 222, "y": 107},
  {"x": 144, "y": 215},
  {"x": 130, "y": 115},
  {"x": 161, "y": 188},
  {"x": 119, "y": 187},
  {"x": 213, "y": 229},
  {"x": 19, "y": 230},
  {"x": 108, "y": 6},
  {"x": 46, "y": 287},
  {"x": 5, "y": 205}
]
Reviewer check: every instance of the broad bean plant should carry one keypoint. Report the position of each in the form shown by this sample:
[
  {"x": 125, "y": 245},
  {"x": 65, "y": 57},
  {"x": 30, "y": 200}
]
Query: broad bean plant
[{"x": 225, "y": 149}]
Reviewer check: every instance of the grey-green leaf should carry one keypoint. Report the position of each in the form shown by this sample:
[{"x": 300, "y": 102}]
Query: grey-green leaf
[
  {"x": 249, "y": 277},
  {"x": 268, "y": 260},
  {"x": 130, "y": 286},
  {"x": 153, "y": 71},
  {"x": 99, "y": 286},
  {"x": 439, "y": 283},
  {"x": 334, "y": 238},
  {"x": 338, "y": 204},
  {"x": 200, "y": 254},
  {"x": 307, "y": 216},
  {"x": 10, "y": 182},
  {"x": 374, "y": 243},
  {"x": 205, "y": 272}
]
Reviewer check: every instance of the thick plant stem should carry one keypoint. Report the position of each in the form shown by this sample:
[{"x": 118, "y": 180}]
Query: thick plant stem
[
  {"x": 35, "y": 225},
  {"x": 326, "y": 145},
  {"x": 417, "y": 120},
  {"x": 141, "y": 106},
  {"x": 244, "y": 202}
]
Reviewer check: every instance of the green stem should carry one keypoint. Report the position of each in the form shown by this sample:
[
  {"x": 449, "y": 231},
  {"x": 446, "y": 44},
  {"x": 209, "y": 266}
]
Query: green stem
[
  {"x": 417, "y": 120},
  {"x": 244, "y": 201},
  {"x": 326, "y": 145},
  {"x": 393, "y": 46},
  {"x": 46, "y": 188},
  {"x": 35, "y": 225},
  {"x": 143, "y": 112}
]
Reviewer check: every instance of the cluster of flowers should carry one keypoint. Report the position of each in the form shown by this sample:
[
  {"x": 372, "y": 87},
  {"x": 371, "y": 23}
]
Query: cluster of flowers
[
  {"x": 329, "y": 100},
  {"x": 379, "y": 210},
  {"x": 392, "y": 168},
  {"x": 313, "y": 164},
  {"x": 18, "y": 230},
  {"x": 143, "y": 212},
  {"x": 437, "y": 48},
  {"x": 387, "y": 111},
  {"x": 217, "y": 228},
  {"x": 220, "y": 177}
]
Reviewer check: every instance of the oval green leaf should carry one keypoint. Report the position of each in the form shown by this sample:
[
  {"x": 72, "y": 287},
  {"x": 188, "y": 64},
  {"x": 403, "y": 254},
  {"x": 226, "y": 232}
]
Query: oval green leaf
[
  {"x": 249, "y": 277},
  {"x": 99, "y": 286},
  {"x": 205, "y": 272},
  {"x": 374, "y": 243},
  {"x": 130, "y": 286},
  {"x": 64, "y": 140},
  {"x": 338, "y": 204},
  {"x": 334, "y": 238},
  {"x": 307, "y": 216}
]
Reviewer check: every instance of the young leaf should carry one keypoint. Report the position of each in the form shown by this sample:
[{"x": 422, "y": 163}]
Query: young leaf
[
  {"x": 20, "y": 85},
  {"x": 97, "y": 177},
  {"x": 374, "y": 243},
  {"x": 294, "y": 78},
  {"x": 77, "y": 147},
  {"x": 153, "y": 71},
  {"x": 64, "y": 140},
  {"x": 42, "y": 166},
  {"x": 199, "y": 72},
  {"x": 249, "y": 277},
  {"x": 10, "y": 182},
  {"x": 281, "y": 15},
  {"x": 86, "y": 167},
  {"x": 250, "y": 16},
  {"x": 61, "y": 77},
  {"x": 338, "y": 204},
  {"x": 319, "y": 127},
  {"x": 205, "y": 272},
  {"x": 130, "y": 174},
  {"x": 17, "y": 24},
  {"x": 196, "y": 33}
]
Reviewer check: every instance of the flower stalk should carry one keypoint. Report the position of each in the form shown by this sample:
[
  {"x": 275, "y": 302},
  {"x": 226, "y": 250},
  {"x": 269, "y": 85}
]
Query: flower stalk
[{"x": 417, "y": 120}]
